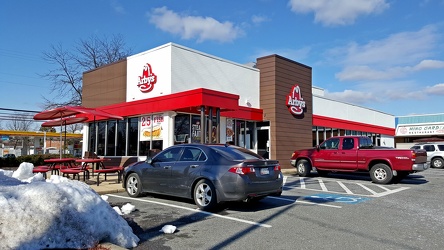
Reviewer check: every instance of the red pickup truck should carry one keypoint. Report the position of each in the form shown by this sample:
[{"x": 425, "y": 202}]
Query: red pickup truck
[{"x": 357, "y": 153}]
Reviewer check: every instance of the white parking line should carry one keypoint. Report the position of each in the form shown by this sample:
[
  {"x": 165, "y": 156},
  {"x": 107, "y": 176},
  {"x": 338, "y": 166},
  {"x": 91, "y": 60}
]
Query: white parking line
[
  {"x": 391, "y": 191},
  {"x": 366, "y": 188},
  {"x": 348, "y": 191},
  {"x": 305, "y": 202},
  {"x": 193, "y": 210},
  {"x": 302, "y": 181},
  {"x": 321, "y": 183}
]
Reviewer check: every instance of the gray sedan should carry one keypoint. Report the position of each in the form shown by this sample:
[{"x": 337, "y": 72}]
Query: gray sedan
[{"x": 208, "y": 173}]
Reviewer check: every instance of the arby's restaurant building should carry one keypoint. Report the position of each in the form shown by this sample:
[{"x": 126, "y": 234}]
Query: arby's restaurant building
[{"x": 172, "y": 94}]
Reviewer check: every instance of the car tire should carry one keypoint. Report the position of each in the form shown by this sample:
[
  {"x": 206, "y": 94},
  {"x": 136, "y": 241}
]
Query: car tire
[
  {"x": 205, "y": 195},
  {"x": 438, "y": 163},
  {"x": 381, "y": 173},
  {"x": 133, "y": 185},
  {"x": 303, "y": 167}
]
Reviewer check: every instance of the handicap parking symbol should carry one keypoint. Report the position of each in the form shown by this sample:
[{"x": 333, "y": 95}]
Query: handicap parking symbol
[{"x": 326, "y": 198}]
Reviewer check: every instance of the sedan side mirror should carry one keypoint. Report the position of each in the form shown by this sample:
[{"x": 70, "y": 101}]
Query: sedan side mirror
[{"x": 149, "y": 160}]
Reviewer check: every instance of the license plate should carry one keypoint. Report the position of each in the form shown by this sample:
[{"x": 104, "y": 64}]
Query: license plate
[{"x": 265, "y": 171}]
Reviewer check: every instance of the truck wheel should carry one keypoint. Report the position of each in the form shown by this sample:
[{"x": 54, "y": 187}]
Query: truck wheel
[
  {"x": 437, "y": 163},
  {"x": 381, "y": 173},
  {"x": 303, "y": 168}
]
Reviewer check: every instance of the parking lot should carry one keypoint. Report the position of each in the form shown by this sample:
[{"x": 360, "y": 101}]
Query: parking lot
[{"x": 341, "y": 211}]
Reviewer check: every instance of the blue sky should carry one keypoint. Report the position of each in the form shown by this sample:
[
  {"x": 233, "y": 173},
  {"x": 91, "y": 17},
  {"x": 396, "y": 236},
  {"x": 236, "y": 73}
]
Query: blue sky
[{"x": 386, "y": 55}]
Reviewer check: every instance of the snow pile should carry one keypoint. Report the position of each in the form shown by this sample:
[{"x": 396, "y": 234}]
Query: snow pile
[{"x": 56, "y": 213}]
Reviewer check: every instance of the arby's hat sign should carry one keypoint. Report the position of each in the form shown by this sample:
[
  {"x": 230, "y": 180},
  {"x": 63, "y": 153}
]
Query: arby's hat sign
[
  {"x": 147, "y": 79},
  {"x": 295, "y": 102}
]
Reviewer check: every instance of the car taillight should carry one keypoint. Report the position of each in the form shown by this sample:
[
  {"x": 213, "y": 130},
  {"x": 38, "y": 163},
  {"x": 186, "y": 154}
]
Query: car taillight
[
  {"x": 242, "y": 170},
  {"x": 413, "y": 154},
  {"x": 277, "y": 168}
]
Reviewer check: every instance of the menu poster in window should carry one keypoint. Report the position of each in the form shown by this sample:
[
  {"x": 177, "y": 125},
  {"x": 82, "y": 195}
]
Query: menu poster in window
[
  {"x": 151, "y": 127},
  {"x": 230, "y": 130},
  {"x": 195, "y": 129}
]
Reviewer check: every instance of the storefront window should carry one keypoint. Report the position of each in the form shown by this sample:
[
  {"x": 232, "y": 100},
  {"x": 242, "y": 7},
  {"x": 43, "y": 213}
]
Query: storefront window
[
  {"x": 111, "y": 139},
  {"x": 133, "y": 139},
  {"x": 182, "y": 128},
  {"x": 121, "y": 138},
  {"x": 92, "y": 137},
  {"x": 101, "y": 138}
]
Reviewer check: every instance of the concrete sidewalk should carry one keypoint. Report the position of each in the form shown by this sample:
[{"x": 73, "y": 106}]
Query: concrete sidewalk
[{"x": 108, "y": 186}]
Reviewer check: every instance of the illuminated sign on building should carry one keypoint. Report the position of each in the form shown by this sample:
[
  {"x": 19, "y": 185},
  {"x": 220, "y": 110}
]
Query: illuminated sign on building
[{"x": 295, "y": 102}]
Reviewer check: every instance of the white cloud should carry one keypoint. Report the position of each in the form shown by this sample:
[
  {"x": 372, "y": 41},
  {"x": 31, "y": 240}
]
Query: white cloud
[
  {"x": 194, "y": 27},
  {"x": 351, "y": 96},
  {"x": 399, "y": 48},
  {"x": 388, "y": 58},
  {"x": 359, "y": 73},
  {"x": 429, "y": 64},
  {"x": 437, "y": 89},
  {"x": 117, "y": 7},
  {"x": 259, "y": 19},
  {"x": 380, "y": 92},
  {"x": 338, "y": 12}
]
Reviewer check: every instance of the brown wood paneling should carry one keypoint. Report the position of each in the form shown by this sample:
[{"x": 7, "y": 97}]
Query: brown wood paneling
[
  {"x": 288, "y": 132},
  {"x": 105, "y": 85}
]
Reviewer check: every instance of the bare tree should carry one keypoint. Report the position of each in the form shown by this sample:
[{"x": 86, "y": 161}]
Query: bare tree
[
  {"x": 66, "y": 76},
  {"x": 20, "y": 122}
]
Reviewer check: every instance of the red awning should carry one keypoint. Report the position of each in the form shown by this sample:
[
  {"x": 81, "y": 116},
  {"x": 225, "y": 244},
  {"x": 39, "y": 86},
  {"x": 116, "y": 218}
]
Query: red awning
[{"x": 188, "y": 102}]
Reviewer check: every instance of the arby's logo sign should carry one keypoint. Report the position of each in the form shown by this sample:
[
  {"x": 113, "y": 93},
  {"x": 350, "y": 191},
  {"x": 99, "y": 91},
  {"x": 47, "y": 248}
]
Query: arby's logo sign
[
  {"x": 295, "y": 102},
  {"x": 147, "y": 79}
]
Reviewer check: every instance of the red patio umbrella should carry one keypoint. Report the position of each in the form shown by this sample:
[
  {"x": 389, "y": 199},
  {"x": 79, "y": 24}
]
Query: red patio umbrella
[
  {"x": 64, "y": 121},
  {"x": 69, "y": 111}
]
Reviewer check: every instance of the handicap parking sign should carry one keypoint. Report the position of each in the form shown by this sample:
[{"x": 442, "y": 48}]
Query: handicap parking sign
[{"x": 327, "y": 198}]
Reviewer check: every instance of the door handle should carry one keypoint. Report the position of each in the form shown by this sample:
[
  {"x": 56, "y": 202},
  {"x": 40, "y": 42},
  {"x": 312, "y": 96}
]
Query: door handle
[
  {"x": 194, "y": 166},
  {"x": 166, "y": 167}
]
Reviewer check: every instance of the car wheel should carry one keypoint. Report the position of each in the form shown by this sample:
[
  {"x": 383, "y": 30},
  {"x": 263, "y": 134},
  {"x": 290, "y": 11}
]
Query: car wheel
[
  {"x": 381, "y": 173},
  {"x": 437, "y": 163},
  {"x": 133, "y": 185},
  {"x": 322, "y": 173},
  {"x": 205, "y": 195},
  {"x": 303, "y": 168}
]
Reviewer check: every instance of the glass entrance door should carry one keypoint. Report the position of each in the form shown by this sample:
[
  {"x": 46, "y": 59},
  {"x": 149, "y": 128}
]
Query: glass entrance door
[{"x": 263, "y": 141}]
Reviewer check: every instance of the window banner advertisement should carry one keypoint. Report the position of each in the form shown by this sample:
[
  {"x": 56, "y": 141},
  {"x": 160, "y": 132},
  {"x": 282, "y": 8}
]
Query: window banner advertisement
[
  {"x": 151, "y": 127},
  {"x": 195, "y": 129},
  {"x": 230, "y": 130}
]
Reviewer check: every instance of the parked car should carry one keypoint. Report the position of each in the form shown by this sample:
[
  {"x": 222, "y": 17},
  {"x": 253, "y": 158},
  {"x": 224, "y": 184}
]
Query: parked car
[
  {"x": 9, "y": 156},
  {"x": 208, "y": 173},
  {"x": 357, "y": 153},
  {"x": 435, "y": 153}
]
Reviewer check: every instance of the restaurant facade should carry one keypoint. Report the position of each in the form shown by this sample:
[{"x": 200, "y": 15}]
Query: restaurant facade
[{"x": 172, "y": 94}]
